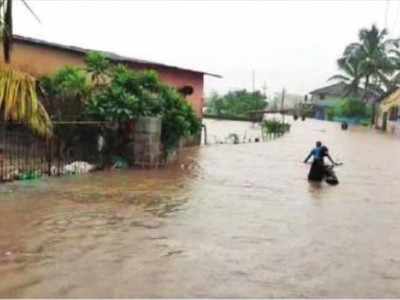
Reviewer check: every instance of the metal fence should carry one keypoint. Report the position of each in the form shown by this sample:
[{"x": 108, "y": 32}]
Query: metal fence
[{"x": 26, "y": 156}]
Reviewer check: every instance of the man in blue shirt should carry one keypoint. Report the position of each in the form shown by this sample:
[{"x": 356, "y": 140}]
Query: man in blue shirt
[
  {"x": 316, "y": 153},
  {"x": 318, "y": 168}
]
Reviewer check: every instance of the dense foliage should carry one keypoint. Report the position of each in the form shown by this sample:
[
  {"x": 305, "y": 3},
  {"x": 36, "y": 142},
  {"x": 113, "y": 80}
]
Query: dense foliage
[
  {"x": 350, "y": 108},
  {"x": 103, "y": 92},
  {"x": 236, "y": 103},
  {"x": 371, "y": 63},
  {"x": 65, "y": 93},
  {"x": 275, "y": 127},
  {"x": 128, "y": 96},
  {"x": 178, "y": 118}
]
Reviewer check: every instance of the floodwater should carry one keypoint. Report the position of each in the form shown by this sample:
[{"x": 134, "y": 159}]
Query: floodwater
[{"x": 228, "y": 221}]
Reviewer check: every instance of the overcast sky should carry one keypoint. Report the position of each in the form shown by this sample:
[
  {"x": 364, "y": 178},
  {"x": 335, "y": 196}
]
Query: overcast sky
[{"x": 292, "y": 44}]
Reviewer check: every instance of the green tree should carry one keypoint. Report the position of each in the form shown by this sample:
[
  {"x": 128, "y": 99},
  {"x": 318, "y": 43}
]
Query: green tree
[
  {"x": 351, "y": 74},
  {"x": 127, "y": 94},
  {"x": 215, "y": 104},
  {"x": 65, "y": 93},
  {"x": 97, "y": 65},
  {"x": 236, "y": 103},
  {"x": 370, "y": 62},
  {"x": 369, "y": 58}
]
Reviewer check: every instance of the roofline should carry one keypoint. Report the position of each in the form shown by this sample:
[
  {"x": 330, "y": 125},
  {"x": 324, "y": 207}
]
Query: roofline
[
  {"x": 112, "y": 56},
  {"x": 360, "y": 89},
  {"x": 325, "y": 87}
]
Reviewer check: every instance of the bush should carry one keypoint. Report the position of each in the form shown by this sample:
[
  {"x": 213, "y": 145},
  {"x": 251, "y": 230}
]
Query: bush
[
  {"x": 330, "y": 113},
  {"x": 178, "y": 119},
  {"x": 351, "y": 108},
  {"x": 103, "y": 92},
  {"x": 275, "y": 127},
  {"x": 131, "y": 94},
  {"x": 128, "y": 96},
  {"x": 64, "y": 94}
]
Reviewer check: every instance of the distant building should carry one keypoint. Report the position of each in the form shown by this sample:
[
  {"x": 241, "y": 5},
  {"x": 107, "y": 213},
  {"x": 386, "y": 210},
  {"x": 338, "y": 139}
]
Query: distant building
[
  {"x": 388, "y": 117},
  {"x": 40, "y": 58},
  {"x": 329, "y": 96}
]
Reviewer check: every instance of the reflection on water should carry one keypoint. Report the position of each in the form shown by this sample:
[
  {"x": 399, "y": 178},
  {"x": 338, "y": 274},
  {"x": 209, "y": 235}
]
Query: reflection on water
[{"x": 228, "y": 221}]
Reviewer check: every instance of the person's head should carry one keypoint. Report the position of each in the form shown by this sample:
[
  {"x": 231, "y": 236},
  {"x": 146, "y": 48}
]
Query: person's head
[{"x": 318, "y": 144}]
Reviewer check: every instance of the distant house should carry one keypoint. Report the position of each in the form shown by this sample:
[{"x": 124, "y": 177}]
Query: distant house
[
  {"x": 388, "y": 117},
  {"x": 334, "y": 91},
  {"x": 329, "y": 96},
  {"x": 40, "y": 58}
]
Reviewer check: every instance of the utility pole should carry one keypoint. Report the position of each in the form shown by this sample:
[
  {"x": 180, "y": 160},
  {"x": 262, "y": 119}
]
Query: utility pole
[
  {"x": 264, "y": 87},
  {"x": 254, "y": 81},
  {"x": 283, "y": 104}
]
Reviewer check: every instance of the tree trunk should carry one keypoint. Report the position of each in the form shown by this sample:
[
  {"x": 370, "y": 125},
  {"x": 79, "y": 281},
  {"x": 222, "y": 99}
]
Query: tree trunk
[
  {"x": 7, "y": 31},
  {"x": 366, "y": 87},
  {"x": 373, "y": 113}
]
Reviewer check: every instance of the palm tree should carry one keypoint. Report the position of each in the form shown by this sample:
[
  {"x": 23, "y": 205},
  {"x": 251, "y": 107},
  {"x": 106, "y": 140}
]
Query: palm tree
[
  {"x": 18, "y": 98},
  {"x": 371, "y": 53},
  {"x": 351, "y": 74},
  {"x": 393, "y": 81}
]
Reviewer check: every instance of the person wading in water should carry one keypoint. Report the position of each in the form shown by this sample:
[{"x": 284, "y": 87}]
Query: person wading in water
[{"x": 318, "y": 168}]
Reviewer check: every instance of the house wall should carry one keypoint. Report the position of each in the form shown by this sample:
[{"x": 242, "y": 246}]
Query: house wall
[
  {"x": 393, "y": 127},
  {"x": 178, "y": 79},
  {"x": 392, "y": 121},
  {"x": 43, "y": 60}
]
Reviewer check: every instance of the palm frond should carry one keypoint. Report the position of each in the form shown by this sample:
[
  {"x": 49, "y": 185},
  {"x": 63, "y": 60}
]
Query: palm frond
[
  {"x": 19, "y": 101},
  {"x": 339, "y": 77},
  {"x": 30, "y": 10}
]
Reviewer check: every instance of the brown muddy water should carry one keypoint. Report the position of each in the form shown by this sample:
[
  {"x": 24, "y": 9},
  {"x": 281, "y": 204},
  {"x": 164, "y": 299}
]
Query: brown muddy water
[{"x": 229, "y": 221}]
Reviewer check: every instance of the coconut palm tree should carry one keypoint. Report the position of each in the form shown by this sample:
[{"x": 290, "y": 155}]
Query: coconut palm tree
[
  {"x": 372, "y": 54},
  {"x": 393, "y": 81},
  {"x": 18, "y": 98},
  {"x": 351, "y": 75},
  {"x": 368, "y": 61}
]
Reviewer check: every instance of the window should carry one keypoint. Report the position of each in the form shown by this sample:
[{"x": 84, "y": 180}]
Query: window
[
  {"x": 322, "y": 96},
  {"x": 186, "y": 90}
]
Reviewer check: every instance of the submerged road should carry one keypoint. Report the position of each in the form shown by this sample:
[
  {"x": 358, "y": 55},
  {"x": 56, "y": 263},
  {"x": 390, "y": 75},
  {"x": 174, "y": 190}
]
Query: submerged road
[{"x": 230, "y": 221}]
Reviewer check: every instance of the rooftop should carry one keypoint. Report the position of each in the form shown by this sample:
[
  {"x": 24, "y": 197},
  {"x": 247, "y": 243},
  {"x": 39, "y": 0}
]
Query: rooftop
[
  {"x": 112, "y": 56},
  {"x": 333, "y": 89}
]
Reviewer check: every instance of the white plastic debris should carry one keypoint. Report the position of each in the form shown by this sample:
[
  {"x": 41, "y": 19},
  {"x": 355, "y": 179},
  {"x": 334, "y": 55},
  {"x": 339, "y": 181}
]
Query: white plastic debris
[{"x": 78, "y": 167}]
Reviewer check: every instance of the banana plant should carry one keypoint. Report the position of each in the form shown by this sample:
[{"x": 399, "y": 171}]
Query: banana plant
[{"x": 18, "y": 97}]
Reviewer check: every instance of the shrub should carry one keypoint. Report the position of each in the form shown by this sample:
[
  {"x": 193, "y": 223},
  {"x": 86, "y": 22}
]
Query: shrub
[
  {"x": 64, "y": 94},
  {"x": 351, "y": 108},
  {"x": 330, "y": 113},
  {"x": 275, "y": 127},
  {"x": 131, "y": 94},
  {"x": 102, "y": 92}
]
